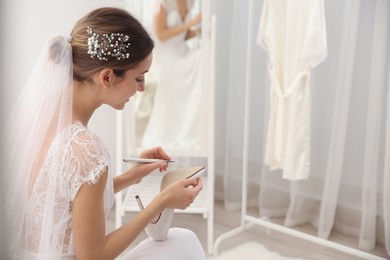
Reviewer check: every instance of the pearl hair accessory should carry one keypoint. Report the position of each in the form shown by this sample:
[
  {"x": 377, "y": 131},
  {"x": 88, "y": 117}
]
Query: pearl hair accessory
[{"x": 103, "y": 46}]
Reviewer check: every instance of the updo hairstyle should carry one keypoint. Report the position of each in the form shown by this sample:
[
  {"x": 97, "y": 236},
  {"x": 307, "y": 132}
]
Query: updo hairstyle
[{"x": 108, "y": 20}]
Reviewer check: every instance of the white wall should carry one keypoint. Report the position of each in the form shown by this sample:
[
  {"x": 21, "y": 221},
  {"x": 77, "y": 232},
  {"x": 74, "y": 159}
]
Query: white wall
[{"x": 26, "y": 27}]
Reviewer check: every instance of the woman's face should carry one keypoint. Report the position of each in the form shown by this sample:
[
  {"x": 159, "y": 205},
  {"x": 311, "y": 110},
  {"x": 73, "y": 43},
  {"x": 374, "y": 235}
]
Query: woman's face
[{"x": 132, "y": 81}]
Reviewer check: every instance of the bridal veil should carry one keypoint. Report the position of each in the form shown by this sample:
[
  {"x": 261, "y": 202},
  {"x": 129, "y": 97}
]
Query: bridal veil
[{"x": 43, "y": 110}]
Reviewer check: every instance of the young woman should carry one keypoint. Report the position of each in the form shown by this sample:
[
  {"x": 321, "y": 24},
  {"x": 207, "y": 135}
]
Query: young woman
[
  {"x": 61, "y": 185},
  {"x": 178, "y": 78}
]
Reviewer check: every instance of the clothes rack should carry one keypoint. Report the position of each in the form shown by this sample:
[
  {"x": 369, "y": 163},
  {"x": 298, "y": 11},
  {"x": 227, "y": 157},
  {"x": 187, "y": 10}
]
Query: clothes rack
[{"x": 248, "y": 221}]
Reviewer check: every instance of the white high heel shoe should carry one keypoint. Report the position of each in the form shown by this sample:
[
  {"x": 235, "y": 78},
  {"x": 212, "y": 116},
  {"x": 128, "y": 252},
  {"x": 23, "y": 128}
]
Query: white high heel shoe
[{"x": 159, "y": 227}]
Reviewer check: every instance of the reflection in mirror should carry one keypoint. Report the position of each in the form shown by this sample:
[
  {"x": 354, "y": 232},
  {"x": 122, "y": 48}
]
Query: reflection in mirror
[{"x": 168, "y": 112}]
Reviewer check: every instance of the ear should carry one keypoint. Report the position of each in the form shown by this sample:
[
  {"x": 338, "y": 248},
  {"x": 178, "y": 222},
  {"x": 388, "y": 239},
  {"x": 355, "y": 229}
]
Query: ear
[{"x": 106, "y": 77}]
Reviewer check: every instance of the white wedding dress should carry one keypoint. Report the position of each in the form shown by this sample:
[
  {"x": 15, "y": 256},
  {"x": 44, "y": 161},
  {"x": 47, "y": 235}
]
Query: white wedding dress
[
  {"x": 76, "y": 156},
  {"x": 84, "y": 157},
  {"x": 49, "y": 158},
  {"x": 174, "y": 120}
]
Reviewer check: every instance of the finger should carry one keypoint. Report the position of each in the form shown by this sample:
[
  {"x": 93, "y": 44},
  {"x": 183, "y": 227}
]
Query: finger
[
  {"x": 199, "y": 182},
  {"x": 164, "y": 168},
  {"x": 162, "y": 153},
  {"x": 188, "y": 182},
  {"x": 153, "y": 166},
  {"x": 199, "y": 185},
  {"x": 156, "y": 153}
]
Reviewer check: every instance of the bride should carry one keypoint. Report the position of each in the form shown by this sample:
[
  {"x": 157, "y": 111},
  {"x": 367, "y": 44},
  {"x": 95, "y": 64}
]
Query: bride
[
  {"x": 60, "y": 183},
  {"x": 176, "y": 110}
]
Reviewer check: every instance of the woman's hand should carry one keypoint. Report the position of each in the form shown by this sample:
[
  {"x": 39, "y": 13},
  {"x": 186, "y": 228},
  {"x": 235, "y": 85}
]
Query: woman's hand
[
  {"x": 156, "y": 153},
  {"x": 191, "y": 33},
  {"x": 136, "y": 173},
  {"x": 140, "y": 170},
  {"x": 196, "y": 19},
  {"x": 180, "y": 194}
]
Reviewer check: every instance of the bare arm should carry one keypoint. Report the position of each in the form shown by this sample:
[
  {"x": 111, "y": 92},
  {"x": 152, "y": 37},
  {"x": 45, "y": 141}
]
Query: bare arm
[
  {"x": 164, "y": 33},
  {"x": 88, "y": 218}
]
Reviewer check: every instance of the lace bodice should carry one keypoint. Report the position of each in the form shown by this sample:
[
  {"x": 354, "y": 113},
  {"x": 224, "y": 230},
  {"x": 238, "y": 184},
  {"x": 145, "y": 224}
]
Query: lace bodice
[{"x": 76, "y": 157}]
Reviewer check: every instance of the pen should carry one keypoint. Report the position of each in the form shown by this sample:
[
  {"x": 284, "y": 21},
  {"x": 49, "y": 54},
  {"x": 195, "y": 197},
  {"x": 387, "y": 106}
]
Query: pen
[{"x": 143, "y": 160}]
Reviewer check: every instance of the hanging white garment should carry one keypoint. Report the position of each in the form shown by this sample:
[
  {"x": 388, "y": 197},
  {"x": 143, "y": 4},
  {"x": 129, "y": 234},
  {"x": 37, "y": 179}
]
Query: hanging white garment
[
  {"x": 294, "y": 35},
  {"x": 174, "y": 120}
]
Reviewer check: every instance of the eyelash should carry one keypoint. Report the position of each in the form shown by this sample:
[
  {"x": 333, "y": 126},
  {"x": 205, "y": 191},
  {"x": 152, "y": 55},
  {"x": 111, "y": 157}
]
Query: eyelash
[{"x": 140, "y": 80}]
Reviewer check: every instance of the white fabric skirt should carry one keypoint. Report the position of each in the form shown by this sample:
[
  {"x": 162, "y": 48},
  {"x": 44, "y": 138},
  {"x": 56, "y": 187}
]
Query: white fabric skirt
[{"x": 181, "y": 244}]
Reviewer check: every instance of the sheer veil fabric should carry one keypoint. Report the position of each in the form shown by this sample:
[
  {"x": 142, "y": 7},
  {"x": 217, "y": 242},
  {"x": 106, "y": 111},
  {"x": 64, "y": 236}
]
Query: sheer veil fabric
[{"x": 43, "y": 110}]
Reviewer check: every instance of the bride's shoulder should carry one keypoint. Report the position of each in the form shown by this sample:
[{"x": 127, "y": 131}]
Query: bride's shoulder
[{"x": 79, "y": 138}]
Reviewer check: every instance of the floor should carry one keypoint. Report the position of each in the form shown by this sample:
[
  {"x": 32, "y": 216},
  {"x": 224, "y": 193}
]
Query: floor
[{"x": 284, "y": 244}]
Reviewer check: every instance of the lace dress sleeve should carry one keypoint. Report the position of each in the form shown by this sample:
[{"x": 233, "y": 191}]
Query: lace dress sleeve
[{"x": 88, "y": 160}]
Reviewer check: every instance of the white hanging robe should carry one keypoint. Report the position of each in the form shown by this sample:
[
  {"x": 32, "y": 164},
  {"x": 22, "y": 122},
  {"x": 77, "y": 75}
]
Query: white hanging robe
[{"x": 294, "y": 35}]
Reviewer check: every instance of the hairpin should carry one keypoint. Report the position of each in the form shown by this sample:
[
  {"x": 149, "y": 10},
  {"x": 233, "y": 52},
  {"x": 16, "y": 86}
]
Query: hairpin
[{"x": 103, "y": 46}]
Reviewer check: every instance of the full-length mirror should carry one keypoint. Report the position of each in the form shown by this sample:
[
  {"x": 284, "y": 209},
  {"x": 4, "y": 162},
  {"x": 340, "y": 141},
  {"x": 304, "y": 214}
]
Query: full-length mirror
[
  {"x": 172, "y": 111},
  {"x": 175, "y": 110}
]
